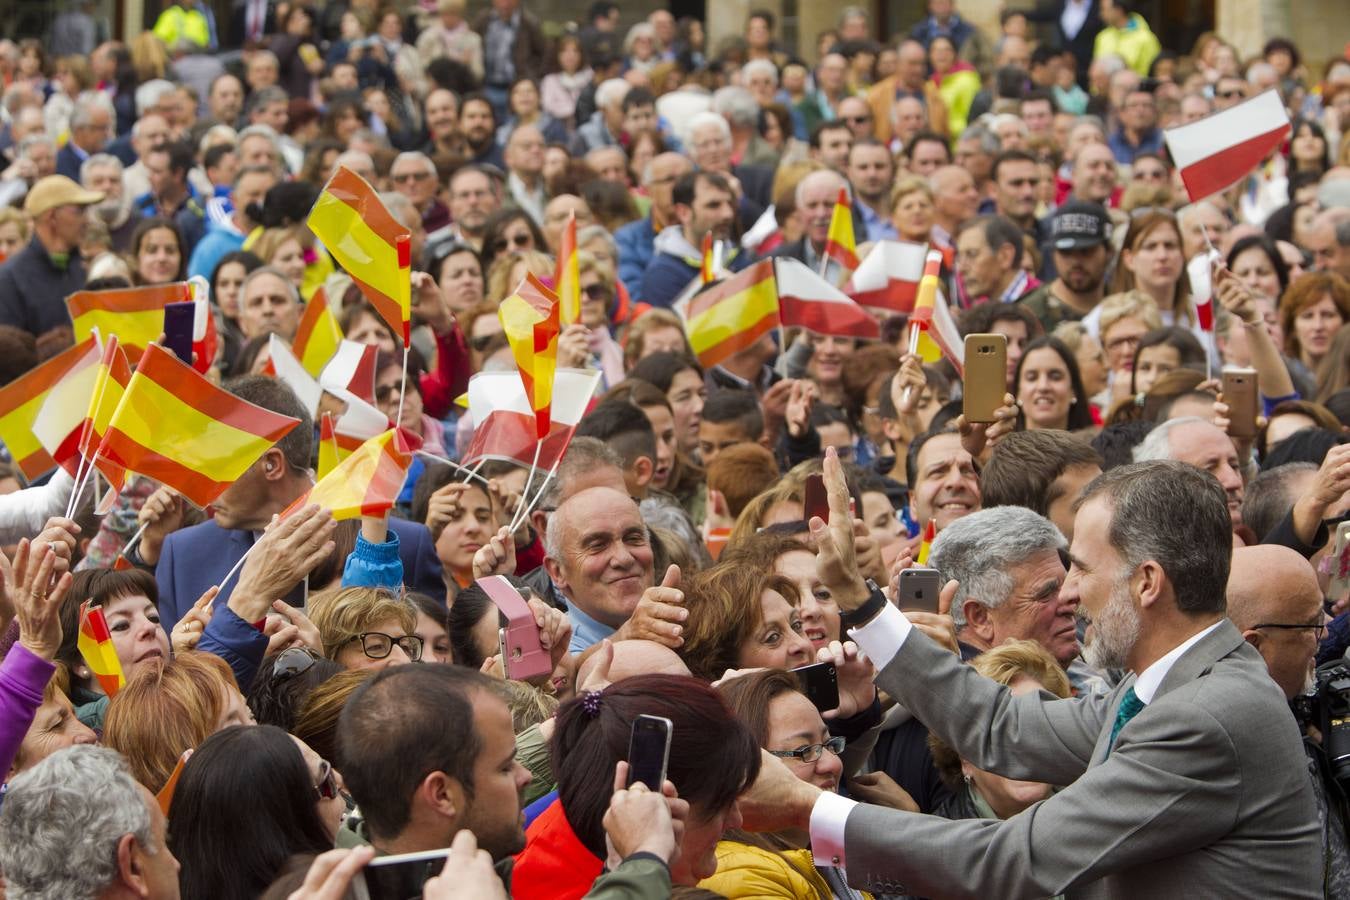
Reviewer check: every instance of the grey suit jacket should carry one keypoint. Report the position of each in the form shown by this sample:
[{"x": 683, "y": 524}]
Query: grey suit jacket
[{"x": 1204, "y": 795}]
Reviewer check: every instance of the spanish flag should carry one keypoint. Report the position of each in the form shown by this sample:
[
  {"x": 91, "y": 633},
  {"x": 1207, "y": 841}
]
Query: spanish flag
[
  {"x": 331, "y": 451},
  {"x": 370, "y": 244},
  {"x": 96, "y": 646},
  {"x": 708, "y": 269},
  {"x": 926, "y": 543},
  {"x": 318, "y": 335},
  {"x": 731, "y": 315},
  {"x": 532, "y": 322},
  {"x": 21, "y": 400},
  {"x": 568, "y": 276},
  {"x": 114, "y": 374},
  {"x": 60, "y": 420},
  {"x": 176, "y": 427},
  {"x": 135, "y": 315},
  {"x": 839, "y": 244},
  {"x": 932, "y": 322},
  {"x": 364, "y": 484}
]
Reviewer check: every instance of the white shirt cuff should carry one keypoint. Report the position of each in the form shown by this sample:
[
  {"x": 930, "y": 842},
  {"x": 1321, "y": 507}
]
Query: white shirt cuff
[
  {"x": 828, "y": 819},
  {"x": 882, "y": 637}
]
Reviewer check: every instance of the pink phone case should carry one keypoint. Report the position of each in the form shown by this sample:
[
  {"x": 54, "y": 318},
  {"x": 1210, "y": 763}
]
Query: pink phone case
[{"x": 523, "y": 656}]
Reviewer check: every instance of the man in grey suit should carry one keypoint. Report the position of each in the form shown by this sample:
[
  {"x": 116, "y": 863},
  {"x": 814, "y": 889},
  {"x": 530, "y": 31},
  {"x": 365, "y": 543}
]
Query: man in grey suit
[{"x": 1186, "y": 780}]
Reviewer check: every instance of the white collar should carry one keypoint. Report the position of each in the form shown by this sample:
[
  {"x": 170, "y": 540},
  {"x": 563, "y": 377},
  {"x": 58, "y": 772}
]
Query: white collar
[{"x": 1149, "y": 680}]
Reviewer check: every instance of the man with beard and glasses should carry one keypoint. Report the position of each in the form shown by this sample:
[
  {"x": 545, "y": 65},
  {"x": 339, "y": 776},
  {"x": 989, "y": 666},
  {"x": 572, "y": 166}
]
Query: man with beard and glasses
[
  {"x": 1080, "y": 235},
  {"x": 102, "y": 172},
  {"x": 1187, "y": 778}
]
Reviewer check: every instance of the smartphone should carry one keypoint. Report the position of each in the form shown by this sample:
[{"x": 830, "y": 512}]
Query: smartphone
[
  {"x": 402, "y": 875},
  {"x": 649, "y": 751},
  {"x": 820, "y": 684},
  {"x": 817, "y": 501},
  {"x": 523, "y": 657},
  {"x": 986, "y": 376},
  {"x": 1338, "y": 564},
  {"x": 178, "y": 321},
  {"x": 919, "y": 589},
  {"x": 1240, "y": 393}
]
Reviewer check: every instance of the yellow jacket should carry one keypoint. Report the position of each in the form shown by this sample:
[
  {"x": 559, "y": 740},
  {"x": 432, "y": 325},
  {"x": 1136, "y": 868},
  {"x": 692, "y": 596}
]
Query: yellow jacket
[
  {"x": 749, "y": 873},
  {"x": 881, "y": 97},
  {"x": 175, "y": 23},
  {"x": 1135, "y": 43}
]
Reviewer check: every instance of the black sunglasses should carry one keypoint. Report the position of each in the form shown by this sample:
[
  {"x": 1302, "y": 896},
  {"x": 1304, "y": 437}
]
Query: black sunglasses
[
  {"x": 598, "y": 292},
  {"x": 520, "y": 240},
  {"x": 293, "y": 661}
]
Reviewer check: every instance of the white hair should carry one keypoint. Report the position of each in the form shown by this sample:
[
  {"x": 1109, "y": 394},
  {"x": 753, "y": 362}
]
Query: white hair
[
  {"x": 414, "y": 156},
  {"x": 222, "y": 134},
  {"x": 611, "y": 92},
  {"x": 1157, "y": 444},
  {"x": 99, "y": 160},
  {"x": 1262, "y": 69},
  {"x": 758, "y": 66},
  {"x": 706, "y": 119},
  {"x": 819, "y": 175},
  {"x": 1185, "y": 214},
  {"x": 88, "y": 103},
  {"x": 149, "y": 94},
  {"x": 640, "y": 30},
  {"x": 737, "y": 105}
]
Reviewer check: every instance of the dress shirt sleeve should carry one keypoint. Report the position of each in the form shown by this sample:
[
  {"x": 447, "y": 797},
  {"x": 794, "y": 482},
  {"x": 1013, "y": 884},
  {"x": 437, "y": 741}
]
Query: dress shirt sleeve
[
  {"x": 828, "y": 818},
  {"x": 881, "y": 638}
]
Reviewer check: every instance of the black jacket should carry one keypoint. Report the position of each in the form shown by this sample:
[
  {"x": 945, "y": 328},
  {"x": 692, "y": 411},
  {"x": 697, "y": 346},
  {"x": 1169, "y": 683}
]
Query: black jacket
[{"x": 33, "y": 290}]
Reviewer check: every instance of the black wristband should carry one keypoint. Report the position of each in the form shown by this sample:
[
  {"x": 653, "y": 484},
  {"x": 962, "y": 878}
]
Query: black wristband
[{"x": 870, "y": 609}]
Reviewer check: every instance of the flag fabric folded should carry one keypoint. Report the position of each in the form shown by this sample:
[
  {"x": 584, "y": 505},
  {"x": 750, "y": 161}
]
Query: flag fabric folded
[
  {"x": 1198, "y": 271},
  {"x": 96, "y": 646},
  {"x": 808, "y": 301},
  {"x": 366, "y": 483},
  {"x": 330, "y": 453},
  {"x": 568, "y": 275},
  {"x": 731, "y": 315},
  {"x": 114, "y": 374},
  {"x": 504, "y": 420},
  {"x": 888, "y": 277},
  {"x": 22, "y": 399},
  {"x": 938, "y": 334},
  {"x": 317, "y": 336},
  {"x": 282, "y": 364},
  {"x": 352, "y": 368},
  {"x": 175, "y": 426},
  {"x": 205, "y": 341},
  {"x": 839, "y": 243},
  {"x": 708, "y": 268},
  {"x": 60, "y": 420},
  {"x": 530, "y": 317},
  {"x": 369, "y": 243},
  {"x": 135, "y": 315},
  {"x": 926, "y": 543},
  {"x": 1224, "y": 147},
  {"x": 358, "y": 423}
]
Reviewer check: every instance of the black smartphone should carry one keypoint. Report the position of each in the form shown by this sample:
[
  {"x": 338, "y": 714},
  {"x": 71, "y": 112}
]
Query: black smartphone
[
  {"x": 820, "y": 684},
  {"x": 817, "y": 501},
  {"x": 178, "y": 321},
  {"x": 919, "y": 589},
  {"x": 649, "y": 751},
  {"x": 402, "y": 875}
]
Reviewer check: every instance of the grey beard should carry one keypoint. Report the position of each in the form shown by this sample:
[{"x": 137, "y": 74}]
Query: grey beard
[
  {"x": 1114, "y": 632},
  {"x": 113, "y": 212}
]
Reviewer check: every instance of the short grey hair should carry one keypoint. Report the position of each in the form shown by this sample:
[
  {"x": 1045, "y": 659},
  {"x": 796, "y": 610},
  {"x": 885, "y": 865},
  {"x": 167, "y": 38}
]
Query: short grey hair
[
  {"x": 270, "y": 94},
  {"x": 266, "y": 131},
  {"x": 989, "y": 142},
  {"x": 1185, "y": 214},
  {"x": 149, "y": 94},
  {"x": 62, "y": 821},
  {"x": 762, "y": 66},
  {"x": 35, "y": 140},
  {"x": 275, "y": 272},
  {"x": 98, "y": 161},
  {"x": 737, "y": 105},
  {"x": 218, "y": 134},
  {"x": 707, "y": 119},
  {"x": 413, "y": 156},
  {"x": 818, "y": 175},
  {"x": 981, "y": 549},
  {"x": 1157, "y": 444},
  {"x": 583, "y": 455},
  {"x": 88, "y": 103},
  {"x": 611, "y": 92}
]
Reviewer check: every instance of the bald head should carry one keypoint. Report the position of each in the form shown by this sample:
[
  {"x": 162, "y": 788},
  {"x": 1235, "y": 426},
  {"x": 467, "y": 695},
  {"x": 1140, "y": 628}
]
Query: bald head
[
  {"x": 1274, "y": 585},
  {"x": 631, "y": 658}
]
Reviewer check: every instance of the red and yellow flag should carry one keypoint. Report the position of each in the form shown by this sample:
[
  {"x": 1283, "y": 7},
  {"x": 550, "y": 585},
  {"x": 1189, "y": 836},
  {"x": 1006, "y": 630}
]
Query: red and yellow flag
[
  {"x": 839, "y": 244},
  {"x": 364, "y": 484},
  {"x": 731, "y": 315},
  {"x": 568, "y": 276},
  {"x": 708, "y": 269},
  {"x": 175, "y": 426},
  {"x": 60, "y": 421},
  {"x": 135, "y": 315},
  {"x": 96, "y": 646},
  {"x": 334, "y": 446},
  {"x": 21, "y": 400},
  {"x": 318, "y": 335},
  {"x": 114, "y": 374},
  {"x": 932, "y": 322},
  {"x": 531, "y": 319},
  {"x": 369, "y": 243}
]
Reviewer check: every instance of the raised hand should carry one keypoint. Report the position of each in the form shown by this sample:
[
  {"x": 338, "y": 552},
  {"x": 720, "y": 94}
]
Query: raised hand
[
  {"x": 855, "y": 674},
  {"x": 977, "y": 436},
  {"x": 163, "y": 514},
  {"x": 939, "y": 626},
  {"x": 444, "y": 505},
  {"x": 797, "y": 415},
  {"x": 497, "y": 556},
  {"x": 286, "y": 553},
  {"x": 466, "y": 875},
  {"x": 659, "y": 615},
  {"x": 836, "y": 560},
  {"x": 34, "y": 597},
  {"x": 641, "y": 821},
  {"x": 59, "y": 533},
  {"x": 189, "y": 629}
]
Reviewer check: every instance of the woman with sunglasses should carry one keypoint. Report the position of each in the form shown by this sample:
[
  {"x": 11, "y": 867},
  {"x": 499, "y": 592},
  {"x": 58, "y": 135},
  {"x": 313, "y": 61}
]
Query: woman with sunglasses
[
  {"x": 508, "y": 231},
  {"x": 289, "y": 800},
  {"x": 366, "y": 628}
]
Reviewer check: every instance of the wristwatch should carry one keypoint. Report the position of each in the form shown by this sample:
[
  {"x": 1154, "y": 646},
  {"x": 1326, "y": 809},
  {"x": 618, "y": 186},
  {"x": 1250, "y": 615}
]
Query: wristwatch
[{"x": 871, "y": 608}]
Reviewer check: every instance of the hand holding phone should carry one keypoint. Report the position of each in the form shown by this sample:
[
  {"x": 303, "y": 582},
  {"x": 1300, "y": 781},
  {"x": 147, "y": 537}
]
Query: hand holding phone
[
  {"x": 1241, "y": 396},
  {"x": 919, "y": 590},
  {"x": 820, "y": 684},
  {"x": 649, "y": 751},
  {"x": 986, "y": 378},
  {"x": 523, "y": 655}
]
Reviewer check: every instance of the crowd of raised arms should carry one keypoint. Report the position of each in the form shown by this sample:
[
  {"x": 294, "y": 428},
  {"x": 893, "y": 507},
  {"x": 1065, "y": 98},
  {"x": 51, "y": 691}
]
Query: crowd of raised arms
[{"x": 805, "y": 614}]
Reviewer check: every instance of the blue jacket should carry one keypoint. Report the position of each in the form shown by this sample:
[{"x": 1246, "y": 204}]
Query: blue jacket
[
  {"x": 635, "y": 252},
  {"x": 675, "y": 264},
  {"x": 374, "y": 565},
  {"x": 195, "y": 558},
  {"x": 219, "y": 240}
]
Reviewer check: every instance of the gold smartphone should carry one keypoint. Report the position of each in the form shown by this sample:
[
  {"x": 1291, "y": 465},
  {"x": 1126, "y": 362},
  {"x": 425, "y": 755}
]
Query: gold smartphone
[
  {"x": 986, "y": 376},
  {"x": 1240, "y": 393}
]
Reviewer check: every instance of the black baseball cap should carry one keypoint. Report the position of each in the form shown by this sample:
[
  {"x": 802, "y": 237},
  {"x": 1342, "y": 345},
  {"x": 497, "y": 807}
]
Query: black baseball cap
[{"x": 1078, "y": 224}]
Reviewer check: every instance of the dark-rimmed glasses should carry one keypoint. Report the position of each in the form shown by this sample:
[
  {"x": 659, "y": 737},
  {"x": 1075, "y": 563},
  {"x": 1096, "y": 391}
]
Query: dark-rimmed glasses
[
  {"x": 1318, "y": 630},
  {"x": 378, "y": 645},
  {"x": 811, "y": 752}
]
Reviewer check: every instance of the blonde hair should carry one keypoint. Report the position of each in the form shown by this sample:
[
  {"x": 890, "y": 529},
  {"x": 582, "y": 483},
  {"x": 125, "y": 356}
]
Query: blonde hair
[
  {"x": 751, "y": 519},
  {"x": 271, "y": 240},
  {"x": 651, "y": 320},
  {"x": 499, "y": 286},
  {"x": 12, "y": 214},
  {"x": 1134, "y": 304},
  {"x": 910, "y": 184},
  {"x": 345, "y": 614},
  {"x": 316, "y": 722},
  {"x": 529, "y": 705},
  {"x": 589, "y": 262}
]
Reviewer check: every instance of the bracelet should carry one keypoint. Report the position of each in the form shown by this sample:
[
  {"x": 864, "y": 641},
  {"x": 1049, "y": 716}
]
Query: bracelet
[{"x": 875, "y": 603}]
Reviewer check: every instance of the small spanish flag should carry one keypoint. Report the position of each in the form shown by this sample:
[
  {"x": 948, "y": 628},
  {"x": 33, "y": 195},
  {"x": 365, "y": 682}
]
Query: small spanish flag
[
  {"x": 114, "y": 374},
  {"x": 135, "y": 315},
  {"x": 96, "y": 646},
  {"x": 932, "y": 321},
  {"x": 531, "y": 319},
  {"x": 731, "y": 315},
  {"x": 568, "y": 275},
  {"x": 318, "y": 335},
  {"x": 839, "y": 244},
  {"x": 21, "y": 400},
  {"x": 374, "y": 248},
  {"x": 364, "y": 484},
  {"x": 926, "y": 543},
  {"x": 707, "y": 270},
  {"x": 60, "y": 422}
]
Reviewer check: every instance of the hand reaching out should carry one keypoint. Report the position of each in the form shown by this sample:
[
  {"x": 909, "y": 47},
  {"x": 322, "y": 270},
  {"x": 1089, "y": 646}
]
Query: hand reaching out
[
  {"x": 286, "y": 553},
  {"x": 801, "y": 397},
  {"x": 429, "y": 303},
  {"x": 855, "y": 676},
  {"x": 641, "y": 821},
  {"x": 496, "y": 557},
  {"x": 659, "y": 615},
  {"x": 977, "y": 436},
  {"x": 189, "y": 629},
  {"x": 908, "y": 384},
  {"x": 836, "y": 560},
  {"x": 35, "y": 598},
  {"x": 163, "y": 514}
]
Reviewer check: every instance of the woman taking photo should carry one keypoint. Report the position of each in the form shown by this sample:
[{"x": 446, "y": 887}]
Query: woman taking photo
[{"x": 1049, "y": 389}]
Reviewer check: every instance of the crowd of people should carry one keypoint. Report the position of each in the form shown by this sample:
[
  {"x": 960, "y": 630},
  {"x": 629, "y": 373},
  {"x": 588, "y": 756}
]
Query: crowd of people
[{"x": 1133, "y": 683}]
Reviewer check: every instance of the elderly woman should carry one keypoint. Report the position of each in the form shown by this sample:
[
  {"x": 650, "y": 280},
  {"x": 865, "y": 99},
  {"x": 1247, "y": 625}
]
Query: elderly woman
[
  {"x": 912, "y": 209},
  {"x": 366, "y": 628},
  {"x": 1122, "y": 321}
]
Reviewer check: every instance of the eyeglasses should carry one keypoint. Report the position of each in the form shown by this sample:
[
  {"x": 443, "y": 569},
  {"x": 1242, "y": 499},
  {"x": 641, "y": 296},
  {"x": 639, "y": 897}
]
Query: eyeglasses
[
  {"x": 598, "y": 292},
  {"x": 811, "y": 752},
  {"x": 327, "y": 787},
  {"x": 378, "y": 645},
  {"x": 410, "y": 176},
  {"x": 1234, "y": 94},
  {"x": 857, "y": 120},
  {"x": 293, "y": 661},
  {"x": 520, "y": 240},
  {"x": 388, "y": 392},
  {"x": 1318, "y": 630}
]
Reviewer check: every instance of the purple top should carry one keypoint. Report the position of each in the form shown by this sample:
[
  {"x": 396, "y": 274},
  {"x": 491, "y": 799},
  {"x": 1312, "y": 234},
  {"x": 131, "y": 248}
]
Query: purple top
[{"x": 23, "y": 675}]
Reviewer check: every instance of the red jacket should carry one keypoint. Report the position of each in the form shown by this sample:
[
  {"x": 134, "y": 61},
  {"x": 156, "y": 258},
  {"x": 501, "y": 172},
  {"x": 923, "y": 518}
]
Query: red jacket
[{"x": 554, "y": 865}]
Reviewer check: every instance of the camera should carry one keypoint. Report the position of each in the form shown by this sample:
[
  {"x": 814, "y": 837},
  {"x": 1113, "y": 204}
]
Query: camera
[{"x": 1326, "y": 707}]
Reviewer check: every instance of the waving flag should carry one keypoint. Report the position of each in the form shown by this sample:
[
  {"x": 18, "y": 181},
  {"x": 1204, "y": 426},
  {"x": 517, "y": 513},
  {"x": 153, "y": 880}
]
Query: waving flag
[
  {"x": 60, "y": 419},
  {"x": 135, "y": 315},
  {"x": 1198, "y": 271},
  {"x": 808, "y": 301},
  {"x": 708, "y": 268},
  {"x": 888, "y": 277},
  {"x": 926, "y": 543},
  {"x": 282, "y": 364},
  {"x": 731, "y": 315},
  {"x": 352, "y": 368},
  {"x": 330, "y": 454},
  {"x": 932, "y": 319},
  {"x": 1224, "y": 147},
  {"x": 366, "y": 483},
  {"x": 205, "y": 341},
  {"x": 114, "y": 374},
  {"x": 839, "y": 244},
  {"x": 96, "y": 646},
  {"x": 318, "y": 335},
  {"x": 568, "y": 275},
  {"x": 344, "y": 433},
  {"x": 175, "y": 426},
  {"x": 370, "y": 244},
  {"x": 22, "y": 399},
  {"x": 530, "y": 317},
  {"x": 504, "y": 420}
]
